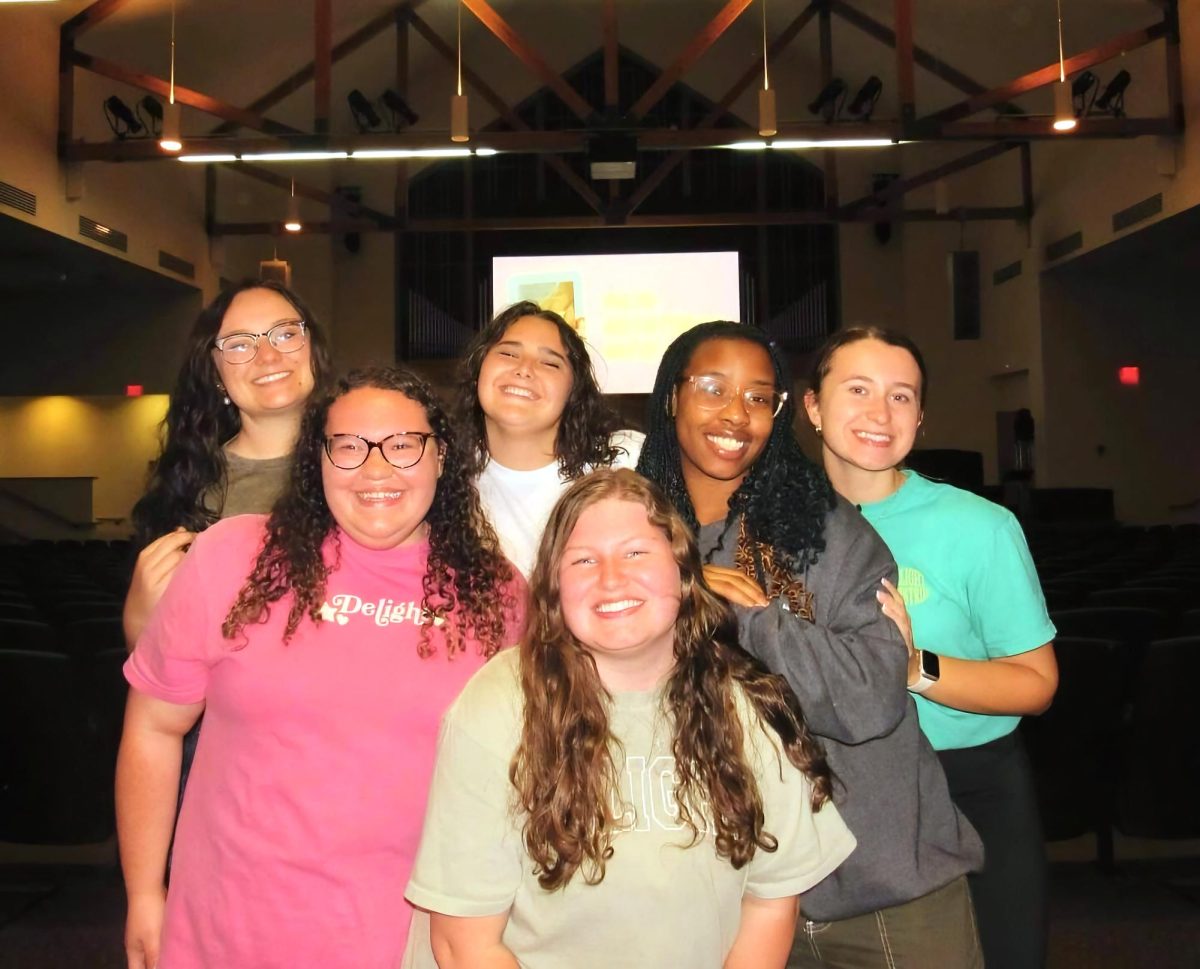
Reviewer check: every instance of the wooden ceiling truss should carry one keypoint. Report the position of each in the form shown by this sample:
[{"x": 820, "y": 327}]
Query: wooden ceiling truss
[{"x": 1010, "y": 129}]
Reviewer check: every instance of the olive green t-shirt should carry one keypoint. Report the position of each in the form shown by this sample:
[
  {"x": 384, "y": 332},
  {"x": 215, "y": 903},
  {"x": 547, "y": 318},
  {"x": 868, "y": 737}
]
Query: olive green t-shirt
[
  {"x": 252, "y": 485},
  {"x": 663, "y": 901}
]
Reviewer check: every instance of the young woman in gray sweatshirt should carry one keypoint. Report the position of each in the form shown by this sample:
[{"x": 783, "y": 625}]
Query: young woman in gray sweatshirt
[{"x": 803, "y": 569}]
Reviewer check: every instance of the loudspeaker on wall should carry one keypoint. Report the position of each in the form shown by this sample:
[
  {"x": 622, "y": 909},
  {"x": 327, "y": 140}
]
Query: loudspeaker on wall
[{"x": 963, "y": 267}]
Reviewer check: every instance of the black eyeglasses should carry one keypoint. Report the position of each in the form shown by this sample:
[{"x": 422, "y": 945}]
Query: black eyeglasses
[
  {"x": 402, "y": 450},
  {"x": 286, "y": 336},
  {"x": 713, "y": 393}
]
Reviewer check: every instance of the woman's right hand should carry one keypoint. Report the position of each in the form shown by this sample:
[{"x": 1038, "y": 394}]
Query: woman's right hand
[
  {"x": 156, "y": 564},
  {"x": 143, "y": 929}
]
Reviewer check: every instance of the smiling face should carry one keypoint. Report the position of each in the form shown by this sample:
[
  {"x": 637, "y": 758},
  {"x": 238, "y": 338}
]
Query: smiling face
[
  {"x": 868, "y": 409},
  {"x": 377, "y": 505},
  {"x": 718, "y": 448},
  {"x": 525, "y": 379},
  {"x": 620, "y": 589},
  {"x": 272, "y": 383}
]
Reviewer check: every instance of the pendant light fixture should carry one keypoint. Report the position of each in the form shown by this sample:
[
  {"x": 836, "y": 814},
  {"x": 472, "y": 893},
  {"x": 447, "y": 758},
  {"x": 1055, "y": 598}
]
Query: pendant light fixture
[
  {"x": 292, "y": 223},
  {"x": 767, "y": 118},
  {"x": 1064, "y": 106},
  {"x": 170, "y": 139},
  {"x": 460, "y": 130}
]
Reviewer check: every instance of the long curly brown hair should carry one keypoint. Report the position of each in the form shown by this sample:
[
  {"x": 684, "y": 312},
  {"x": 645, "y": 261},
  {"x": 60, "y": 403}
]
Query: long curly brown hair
[
  {"x": 564, "y": 770},
  {"x": 466, "y": 573},
  {"x": 587, "y": 422}
]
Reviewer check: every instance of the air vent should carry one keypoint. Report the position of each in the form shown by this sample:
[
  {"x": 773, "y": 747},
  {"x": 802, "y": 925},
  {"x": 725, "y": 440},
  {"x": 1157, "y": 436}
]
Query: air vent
[
  {"x": 18, "y": 199},
  {"x": 1056, "y": 250},
  {"x": 1136, "y": 213},
  {"x": 176, "y": 265},
  {"x": 106, "y": 235},
  {"x": 1005, "y": 273}
]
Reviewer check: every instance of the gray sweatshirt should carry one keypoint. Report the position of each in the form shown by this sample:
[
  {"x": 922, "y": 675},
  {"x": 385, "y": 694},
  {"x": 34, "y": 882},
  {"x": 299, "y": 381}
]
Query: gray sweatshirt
[{"x": 849, "y": 668}]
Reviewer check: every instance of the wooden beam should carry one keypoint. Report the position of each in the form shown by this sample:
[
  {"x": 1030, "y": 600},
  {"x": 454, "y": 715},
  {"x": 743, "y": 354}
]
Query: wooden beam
[
  {"x": 903, "y": 186},
  {"x": 1014, "y": 213},
  {"x": 87, "y": 18},
  {"x": 331, "y": 199},
  {"x": 66, "y": 91},
  {"x": 921, "y": 57},
  {"x": 1027, "y": 179},
  {"x": 1173, "y": 64},
  {"x": 528, "y": 56},
  {"x": 368, "y": 31},
  {"x": 1016, "y": 129},
  {"x": 194, "y": 99},
  {"x": 511, "y": 118},
  {"x": 322, "y": 63},
  {"x": 1127, "y": 41},
  {"x": 703, "y": 40},
  {"x": 608, "y": 28},
  {"x": 905, "y": 82},
  {"x": 647, "y": 186}
]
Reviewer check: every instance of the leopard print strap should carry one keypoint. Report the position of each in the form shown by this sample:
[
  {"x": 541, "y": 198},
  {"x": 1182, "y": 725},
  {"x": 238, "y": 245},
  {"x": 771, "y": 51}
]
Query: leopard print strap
[{"x": 775, "y": 580}]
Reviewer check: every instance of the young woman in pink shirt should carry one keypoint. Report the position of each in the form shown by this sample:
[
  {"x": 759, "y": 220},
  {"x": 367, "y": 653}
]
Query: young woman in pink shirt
[{"x": 323, "y": 645}]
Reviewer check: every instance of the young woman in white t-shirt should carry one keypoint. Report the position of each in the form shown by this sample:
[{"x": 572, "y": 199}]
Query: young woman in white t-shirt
[{"x": 535, "y": 420}]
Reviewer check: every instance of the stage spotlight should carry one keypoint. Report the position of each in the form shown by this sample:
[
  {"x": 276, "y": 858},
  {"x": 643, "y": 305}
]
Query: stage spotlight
[
  {"x": 365, "y": 116},
  {"x": 862, "y": 106},
  {"x": 402, "y": 114},
  {"x": 1112, "y": 100},
  {"x": 829, "y": 102},
  {"x": 120, "y": 118},
  {"x": 1083, "y": 85}
]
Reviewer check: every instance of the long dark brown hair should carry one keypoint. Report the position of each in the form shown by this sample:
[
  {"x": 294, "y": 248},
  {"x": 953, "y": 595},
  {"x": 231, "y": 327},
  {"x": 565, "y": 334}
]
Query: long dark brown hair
[
  {"x": 466, "y": 572},
  {"x": 587, "y": 422},
  {"x": 564, "y": 772},
  {"x": 200, "y": 421}
]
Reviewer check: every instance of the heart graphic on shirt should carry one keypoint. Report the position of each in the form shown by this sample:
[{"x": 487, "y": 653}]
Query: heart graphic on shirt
[{"x": 342, "y": 619}]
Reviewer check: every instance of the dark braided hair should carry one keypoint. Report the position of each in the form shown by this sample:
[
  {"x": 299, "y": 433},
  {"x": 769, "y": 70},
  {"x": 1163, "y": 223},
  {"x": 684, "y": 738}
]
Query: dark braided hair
[
  {"x": 466, "y": 574},
  {"x": 587, "y": 422},
  {"x": 199, "y": 422},
  {"x": 785, "y": 497}
]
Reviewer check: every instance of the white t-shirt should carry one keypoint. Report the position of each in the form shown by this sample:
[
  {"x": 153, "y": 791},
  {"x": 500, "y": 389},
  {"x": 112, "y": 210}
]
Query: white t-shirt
[
  {"x": 518, "y": 503},
  {"x": 663, "y": 900}
]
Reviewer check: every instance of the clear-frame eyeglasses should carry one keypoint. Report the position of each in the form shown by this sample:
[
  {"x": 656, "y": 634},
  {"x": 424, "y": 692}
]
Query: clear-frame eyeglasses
[
  {"x": 401, "y": 450},
  {"x": 713, "y": 393},
  {"x": 286, "y": 336}
]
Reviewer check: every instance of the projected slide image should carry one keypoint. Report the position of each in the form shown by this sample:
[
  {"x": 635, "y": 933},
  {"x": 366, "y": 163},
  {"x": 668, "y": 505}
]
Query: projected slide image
[{"x": 627, "y": 307}]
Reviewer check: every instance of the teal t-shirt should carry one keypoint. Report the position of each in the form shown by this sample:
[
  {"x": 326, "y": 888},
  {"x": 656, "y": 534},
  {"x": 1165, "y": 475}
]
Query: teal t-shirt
[{"x": 969, "y": 585}]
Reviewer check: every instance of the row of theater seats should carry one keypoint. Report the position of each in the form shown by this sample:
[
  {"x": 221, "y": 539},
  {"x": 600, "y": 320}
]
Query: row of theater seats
[
  {"x": 62, "y": 694},
  {"x": 1119, "y": 750}
]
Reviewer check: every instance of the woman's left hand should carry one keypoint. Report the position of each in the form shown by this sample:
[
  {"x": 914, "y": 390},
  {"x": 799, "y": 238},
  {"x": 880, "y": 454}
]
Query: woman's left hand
[
  {"x": 893, "y": 607},
  {"x": 733, "y": 585}
]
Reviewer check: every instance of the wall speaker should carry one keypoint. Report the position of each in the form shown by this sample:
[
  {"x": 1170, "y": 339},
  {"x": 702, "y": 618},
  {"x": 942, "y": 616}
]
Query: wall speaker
[{"x": 964, "y": 294}]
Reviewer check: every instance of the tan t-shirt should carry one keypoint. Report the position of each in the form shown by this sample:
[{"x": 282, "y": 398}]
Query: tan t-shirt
[
  {"x": 661, "y": 903},
  {"x": 252, "y": 485}
]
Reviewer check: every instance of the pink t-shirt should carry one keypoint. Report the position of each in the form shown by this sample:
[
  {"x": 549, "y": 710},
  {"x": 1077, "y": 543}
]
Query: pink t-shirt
[{"x": 305, "y": 802}]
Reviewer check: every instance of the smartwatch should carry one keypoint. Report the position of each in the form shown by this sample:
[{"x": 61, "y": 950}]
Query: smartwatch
[{"x": 930, "y": 667}]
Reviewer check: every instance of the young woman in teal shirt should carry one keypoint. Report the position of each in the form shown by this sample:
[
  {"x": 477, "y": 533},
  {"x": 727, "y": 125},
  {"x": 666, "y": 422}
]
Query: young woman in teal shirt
[{"x": 972, "y": 612}]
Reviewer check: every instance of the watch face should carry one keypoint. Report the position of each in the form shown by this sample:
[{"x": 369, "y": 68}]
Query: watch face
[{"x": 931, "y": 665}]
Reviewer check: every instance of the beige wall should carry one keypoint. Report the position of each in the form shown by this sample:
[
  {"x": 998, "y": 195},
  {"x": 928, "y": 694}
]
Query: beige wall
[{"x": 112, "y": 439}]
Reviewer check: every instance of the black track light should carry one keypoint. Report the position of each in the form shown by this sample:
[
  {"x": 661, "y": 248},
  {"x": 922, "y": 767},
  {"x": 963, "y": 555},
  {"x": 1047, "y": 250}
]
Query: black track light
[
  {"x": 1112, "y": 100},
  {"x": 120, "y": 118},
  {"x": 862, "y": 106},
  {"x": 402, "y": 114},
  {"x": 365, "y": 115},
  {"x": 829, "y": 101}
]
